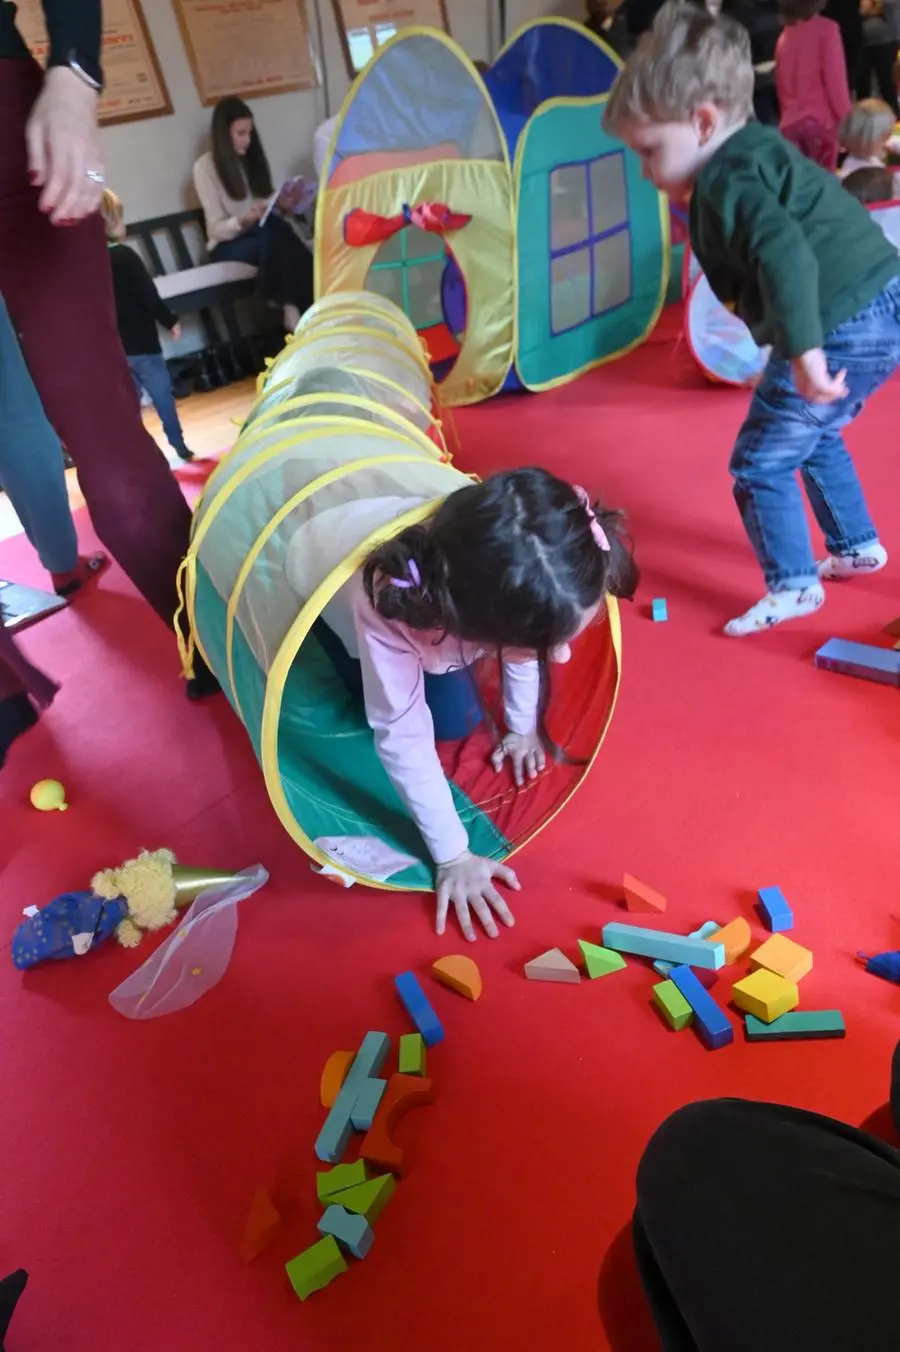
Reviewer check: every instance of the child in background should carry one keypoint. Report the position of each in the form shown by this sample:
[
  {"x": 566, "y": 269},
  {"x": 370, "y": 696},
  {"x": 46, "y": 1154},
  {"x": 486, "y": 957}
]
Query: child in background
[
  {"x": 811, "y": 79},
  {"x": 518, "y": 566},
  {"x": 804, "y": 266},
  {"x": 870, "y": 185},
  {"x": 138, "y": 311},
  {"x": 864, "y": 134}
]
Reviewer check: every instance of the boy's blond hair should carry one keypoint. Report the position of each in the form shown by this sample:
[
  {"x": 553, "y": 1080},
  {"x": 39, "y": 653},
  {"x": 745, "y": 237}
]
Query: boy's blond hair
[
  {"x": 113, "y": 213},
  {"x": 866, "y": 128},
  {"x": 688, "y": 57}
]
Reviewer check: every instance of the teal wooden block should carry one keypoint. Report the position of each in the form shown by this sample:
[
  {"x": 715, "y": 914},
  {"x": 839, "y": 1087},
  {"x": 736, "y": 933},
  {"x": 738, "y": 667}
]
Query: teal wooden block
[
  {"x": 338, "y": 1127},
  {"x": 354, "y": 1233},
  {"x": 799, "y": 1025},
  {"x": 706, "y": 929},
  {"x": 674, "y": 948},
  {"x": 316, "y": 1266},
  {"x": 366, "y": 1105}
]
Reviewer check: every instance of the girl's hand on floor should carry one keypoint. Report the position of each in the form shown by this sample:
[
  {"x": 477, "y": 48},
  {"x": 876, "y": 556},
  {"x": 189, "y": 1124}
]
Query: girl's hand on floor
[
  {"x": 64, "y": 147},
  {"x": 525, "y": 751},
  {"x": 467, "y": 882},
  {"x": 812, "y": 381}
]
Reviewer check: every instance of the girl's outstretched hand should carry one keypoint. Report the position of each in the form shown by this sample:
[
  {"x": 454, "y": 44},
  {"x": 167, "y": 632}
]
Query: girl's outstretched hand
[
  {"x": 526, "y": 753},
  {"x": 467, "y": 882}
]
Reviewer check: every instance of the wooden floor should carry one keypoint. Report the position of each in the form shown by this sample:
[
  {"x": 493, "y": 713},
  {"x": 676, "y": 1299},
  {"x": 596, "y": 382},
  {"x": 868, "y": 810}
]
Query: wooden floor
[{"x": 210, "y": 427}]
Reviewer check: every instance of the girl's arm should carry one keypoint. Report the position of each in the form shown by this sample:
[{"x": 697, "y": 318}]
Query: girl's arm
[
  {"x": 834, "y": 73},
  {"x": 220, "y": 225}
]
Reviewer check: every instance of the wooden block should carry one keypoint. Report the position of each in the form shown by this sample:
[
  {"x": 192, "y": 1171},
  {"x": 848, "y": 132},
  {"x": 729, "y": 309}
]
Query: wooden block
[
  {"x": 419, "y": 1008},
  {"x": 460, "y": 973},
  {"x": 413, "y": 1054},
  {"x": 645, "y": 943},
  {"x": 775, "y": 910},
  {"x": 261, "y": 1227},
  {"x": 334, "y": 1073},
  {"x": 552, "y": 966},
  {"x": 352, "y": 1232},
  {"x": 640, "y": 897},
  {"x": 783, "y": 957},
  {"x": 369, "y": 1199},
  {"x": 379, "y": 1149},
  {"x": 803, "y": 1025},
  {"x": 338, "y": 1127},
  {"x": 600, "y": 961},
  {"x": 712, "y": 1024},
  {"x": 736, "y": 938},
  {"x": 860, "y": 659},
  {"x": 660, "y": 609},
  {"x": 765, "y": 995},
  {"x": 332, "y": 1181},
  {"x": 706, "y": 929},
  {"x": 366, "y": 1106},
  {"x": 316, "y": 1266},
  {"x": 893, "y": 629},
  {"x": 672, "y": 1005}
]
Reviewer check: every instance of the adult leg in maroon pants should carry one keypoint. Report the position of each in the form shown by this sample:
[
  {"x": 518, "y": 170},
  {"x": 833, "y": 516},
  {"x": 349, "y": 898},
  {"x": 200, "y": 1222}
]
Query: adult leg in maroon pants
[{"x": 58, "y": 287}]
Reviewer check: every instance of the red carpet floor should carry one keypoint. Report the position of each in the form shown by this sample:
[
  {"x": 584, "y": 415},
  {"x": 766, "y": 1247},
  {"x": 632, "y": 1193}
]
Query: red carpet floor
[{"x": 131, "y": 1150}]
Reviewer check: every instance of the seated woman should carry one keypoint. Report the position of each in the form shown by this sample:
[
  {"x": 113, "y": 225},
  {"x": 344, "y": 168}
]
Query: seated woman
[{"x": 234, "y": 184}]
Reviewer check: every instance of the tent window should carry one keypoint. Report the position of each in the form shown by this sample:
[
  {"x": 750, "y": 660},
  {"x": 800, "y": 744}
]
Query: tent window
[
  {"x": 590, "y": 240},
  {"x": 408, "y": 269}
]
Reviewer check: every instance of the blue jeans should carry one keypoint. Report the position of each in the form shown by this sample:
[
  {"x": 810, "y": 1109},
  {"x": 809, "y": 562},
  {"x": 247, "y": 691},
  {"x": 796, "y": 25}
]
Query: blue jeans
[
  {"x": 32, "y": 471},
  {"x": 784, "y": 434},
  {"x": 150, "y": 374}
]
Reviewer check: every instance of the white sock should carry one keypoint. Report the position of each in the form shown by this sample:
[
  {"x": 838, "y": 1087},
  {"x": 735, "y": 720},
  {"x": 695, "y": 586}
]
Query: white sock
[
  {"x": 776, "y": 607},
  {"x": 867, "y": 559}
]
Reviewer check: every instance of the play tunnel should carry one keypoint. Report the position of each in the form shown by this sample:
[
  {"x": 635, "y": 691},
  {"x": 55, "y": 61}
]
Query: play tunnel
[{"x": 343, "y": 449}]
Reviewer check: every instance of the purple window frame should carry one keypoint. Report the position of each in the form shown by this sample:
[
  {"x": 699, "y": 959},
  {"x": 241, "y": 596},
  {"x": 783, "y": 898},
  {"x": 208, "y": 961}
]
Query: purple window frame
[{"x": 590, "y": 240}]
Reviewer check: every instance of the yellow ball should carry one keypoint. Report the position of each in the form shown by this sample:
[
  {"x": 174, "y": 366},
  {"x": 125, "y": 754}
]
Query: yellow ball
[{"x": 48, "y": 795}]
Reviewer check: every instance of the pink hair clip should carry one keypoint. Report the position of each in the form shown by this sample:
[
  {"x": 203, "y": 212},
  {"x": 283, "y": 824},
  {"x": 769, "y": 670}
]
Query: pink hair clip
[
  {"x": 600, "y": 537},
  {"x": 414, "y": 579}
]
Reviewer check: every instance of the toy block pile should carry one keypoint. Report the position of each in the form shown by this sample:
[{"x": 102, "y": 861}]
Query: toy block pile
[
  {"x": 691, "y": 964},
  {"x": 360, "y": 1099}
]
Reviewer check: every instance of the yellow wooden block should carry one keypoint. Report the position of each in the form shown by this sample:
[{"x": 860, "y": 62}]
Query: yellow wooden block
[
  {"x": 783, "y": 957},
  {"x": 765, "y": 995}
]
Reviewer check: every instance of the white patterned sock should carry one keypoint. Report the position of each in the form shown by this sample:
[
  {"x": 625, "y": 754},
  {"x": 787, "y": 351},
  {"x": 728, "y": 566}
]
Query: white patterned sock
[
  {"x": 776, "y": 607},
  {"x": 868, "y": 559}
]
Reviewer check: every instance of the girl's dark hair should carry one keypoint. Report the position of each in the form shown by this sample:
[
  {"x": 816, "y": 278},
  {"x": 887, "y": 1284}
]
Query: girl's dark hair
[
  {"x": 238, "y": 172},
  {"x": 798, "y": 11},
  {"x": 508, "y": 563}
]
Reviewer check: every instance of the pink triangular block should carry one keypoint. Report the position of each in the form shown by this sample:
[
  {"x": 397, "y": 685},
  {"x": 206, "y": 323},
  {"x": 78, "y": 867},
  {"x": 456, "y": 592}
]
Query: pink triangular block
[{"x": 552, "y": 966}]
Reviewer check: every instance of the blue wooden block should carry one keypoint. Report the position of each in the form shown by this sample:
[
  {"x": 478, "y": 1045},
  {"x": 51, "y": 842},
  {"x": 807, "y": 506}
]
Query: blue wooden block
[
  {"x": 419, "y": 1008},
  {"x": 677, "y": 948},
  {"x": 706, "y": 929},
  {"x": 353, "y": 1233},
  {"x": 860, "y": 659},
  {"x": 366, "y": 1105},
  {"x": 711, "y": 1023},
  {"x": 775, "y": 911},
  {"x": 660, "y": 609},
  {"x": 338, "y": 1126}
]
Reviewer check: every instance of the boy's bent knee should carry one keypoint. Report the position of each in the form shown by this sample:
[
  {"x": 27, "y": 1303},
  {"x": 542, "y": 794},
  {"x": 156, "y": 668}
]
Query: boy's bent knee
[{"x": 695, "y": 1141}]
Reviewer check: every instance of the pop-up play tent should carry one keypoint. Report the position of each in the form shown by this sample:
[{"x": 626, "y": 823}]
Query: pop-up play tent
[
  {"x": 341, "y": 451},
  {"x": 517, "y": 236}
]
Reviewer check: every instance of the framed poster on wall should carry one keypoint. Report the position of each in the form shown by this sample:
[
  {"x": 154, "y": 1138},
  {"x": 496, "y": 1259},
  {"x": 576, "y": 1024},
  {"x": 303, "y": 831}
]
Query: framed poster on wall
[
  {"x": 365, "y": 25},
  {"x": 135, "y": 87},
  {"x": 246, "y": 47}
]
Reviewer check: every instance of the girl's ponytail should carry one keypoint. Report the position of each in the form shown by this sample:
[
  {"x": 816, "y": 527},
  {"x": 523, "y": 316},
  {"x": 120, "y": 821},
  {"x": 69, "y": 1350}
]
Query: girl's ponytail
[
  {"x": 622, "y": 574},
  {"x": 406, "y": 581}
]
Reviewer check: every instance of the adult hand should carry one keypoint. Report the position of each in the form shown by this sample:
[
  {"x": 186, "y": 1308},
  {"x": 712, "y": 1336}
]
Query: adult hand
[
  {"x": 64, "y": 147},
  {"x": 812, "y": 381},
  {"x": 254, "y": 213},
  {"x": 467, "y": 882},
  {"x": 526, "y": 753}
]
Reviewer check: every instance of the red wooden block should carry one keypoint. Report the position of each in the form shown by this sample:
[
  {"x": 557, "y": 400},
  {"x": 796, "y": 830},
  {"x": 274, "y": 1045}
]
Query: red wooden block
[
  {"x": 263, "y": 1223},
  {"x": 640, "y": 897},
  {"x": 403, "y": 1092}
]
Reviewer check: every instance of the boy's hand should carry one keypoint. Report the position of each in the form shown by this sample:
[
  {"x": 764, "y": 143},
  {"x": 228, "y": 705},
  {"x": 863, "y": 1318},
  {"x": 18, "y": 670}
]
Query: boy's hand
[
  {"x": 525, "y": 751},
  {"x": 812, "y": 381},
  {"x": 468, "y": 883},
  {"x": 175, "y": 331}
]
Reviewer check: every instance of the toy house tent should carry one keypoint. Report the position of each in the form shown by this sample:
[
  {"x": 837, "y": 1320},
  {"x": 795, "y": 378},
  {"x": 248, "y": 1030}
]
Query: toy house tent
[{"x": 517, "y": 236}]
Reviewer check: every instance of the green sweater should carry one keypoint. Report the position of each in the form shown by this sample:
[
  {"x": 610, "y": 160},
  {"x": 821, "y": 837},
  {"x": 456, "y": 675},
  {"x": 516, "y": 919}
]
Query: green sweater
[{"x": 782, "y": 243}]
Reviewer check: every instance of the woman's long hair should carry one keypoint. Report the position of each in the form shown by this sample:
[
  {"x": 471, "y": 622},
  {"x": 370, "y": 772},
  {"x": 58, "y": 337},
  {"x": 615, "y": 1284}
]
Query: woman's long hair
[{"x": 238, "y": 172}]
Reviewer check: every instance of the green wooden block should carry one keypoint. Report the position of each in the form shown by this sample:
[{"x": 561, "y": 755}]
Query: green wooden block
[
  {"x": 316, "y": 1266},
  {"x": 675, "y": 1009},
  {"x": 412, "y": 1054},
  {"x": 369, "y": 1199},
  {"x": 600, "y": 961},
  {"x": 803, "y": 1024},
  {"x": 340, "y": 1177}
]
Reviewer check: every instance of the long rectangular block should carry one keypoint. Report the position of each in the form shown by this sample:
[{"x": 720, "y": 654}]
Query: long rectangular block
[
  {"x": 674, "y": 1008},
  {"x": 775, "y": 910},
  {"x": 677, "y": 948},
  {"x": 353, "y": 1233},
  {"x": 802, "y": 1025},
  {"x": 366, "y": 1106},
  {"x": 712, "y": 1024},
  {"x": 706, "y": 929},
  {"x": 338, "y": 1126},
  {"x": 860, "y": 659},
  {"x": 418, "y": 1007}
]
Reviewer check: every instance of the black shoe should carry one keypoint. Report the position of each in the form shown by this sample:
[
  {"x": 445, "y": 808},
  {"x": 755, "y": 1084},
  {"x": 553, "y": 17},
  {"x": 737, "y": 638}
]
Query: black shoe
[
  {"x": 185, "y": 455},
  {"x": 11, "y": 1289},
  {"x": 17, "y": 715},
  {"x": 203, "y": 683}
]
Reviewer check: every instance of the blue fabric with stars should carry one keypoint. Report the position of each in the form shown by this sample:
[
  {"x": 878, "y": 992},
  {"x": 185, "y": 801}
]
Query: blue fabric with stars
[{"x": 49, "y": 933}]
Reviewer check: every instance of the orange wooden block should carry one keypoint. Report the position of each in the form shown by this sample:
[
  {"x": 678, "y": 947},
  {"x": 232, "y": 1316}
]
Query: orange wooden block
[
  {"x": 783, "y": 957},
  {"x": 263, "y": 1223},
  {"x": 459, "y": 973},
  {"x": 403, "y": 1092},
  {"x": 639, "y": 897},
  {"x": 334, "y": 1073},
  {"x": 735, "y": 936}
]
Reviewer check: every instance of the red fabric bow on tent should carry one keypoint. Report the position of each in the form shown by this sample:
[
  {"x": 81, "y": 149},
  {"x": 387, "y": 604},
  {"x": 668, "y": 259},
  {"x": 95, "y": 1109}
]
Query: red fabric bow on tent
[{"x": 364, "y": 227}]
